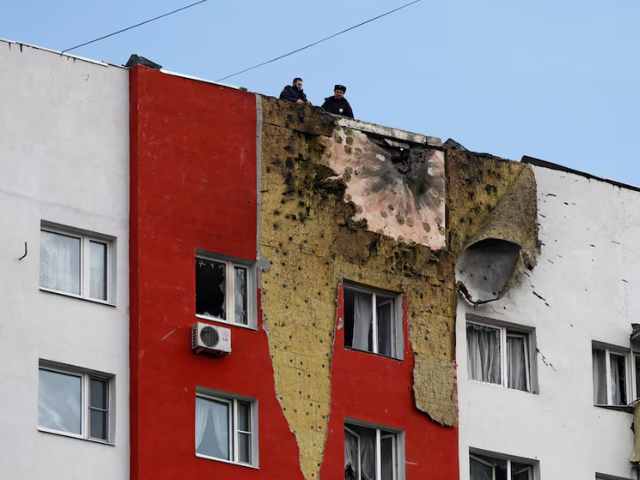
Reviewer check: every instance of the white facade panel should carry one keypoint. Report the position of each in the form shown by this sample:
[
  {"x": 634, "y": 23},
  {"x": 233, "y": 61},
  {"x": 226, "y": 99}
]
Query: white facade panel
[
  {"x": 64, "y": 158},
  {"x": 587, "y": 276}
]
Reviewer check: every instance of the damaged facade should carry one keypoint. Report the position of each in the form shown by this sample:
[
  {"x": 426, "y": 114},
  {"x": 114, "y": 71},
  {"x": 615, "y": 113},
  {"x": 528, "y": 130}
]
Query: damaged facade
[{"x": 339, "y": 259}]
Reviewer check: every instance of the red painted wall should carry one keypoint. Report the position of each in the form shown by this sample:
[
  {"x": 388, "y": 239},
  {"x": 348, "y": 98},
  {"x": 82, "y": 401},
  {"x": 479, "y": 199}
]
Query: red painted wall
[
  {"x": 193, "y": 185},
  {"x": 379, "y": 390}
]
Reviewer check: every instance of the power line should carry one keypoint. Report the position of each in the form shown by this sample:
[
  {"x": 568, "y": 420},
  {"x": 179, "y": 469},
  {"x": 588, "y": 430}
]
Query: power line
[
  {"x": 135, "y": 26},
  {"x": 320, "y": 41}
]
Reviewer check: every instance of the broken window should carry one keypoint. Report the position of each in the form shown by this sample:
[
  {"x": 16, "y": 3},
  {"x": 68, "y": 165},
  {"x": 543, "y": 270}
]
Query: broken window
[
  {"x": 610, "y": 379},
  {"x": 223, "y": 291},
  {"x": 363, "y": 446},
  {"x": 499, "y": 355},
  {"x": 371, "y": 322},
  {"x": 483, "y": 467}
]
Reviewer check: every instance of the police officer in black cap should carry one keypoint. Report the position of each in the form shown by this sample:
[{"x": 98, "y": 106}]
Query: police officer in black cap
[{"x": 338, "y": 104}]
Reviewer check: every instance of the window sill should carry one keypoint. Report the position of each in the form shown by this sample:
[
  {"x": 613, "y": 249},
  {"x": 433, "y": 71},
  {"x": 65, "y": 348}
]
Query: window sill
[
  {"x": 374, "y": 354},
  {"x": 72, "y": 435},
  {"x": 71, "y": 295},
  {"x": 205, "y": 457},
  {"x": 502, "y": 387},
  {"x": 225, "y": 322},
  {"x": 617, "y": 408}
]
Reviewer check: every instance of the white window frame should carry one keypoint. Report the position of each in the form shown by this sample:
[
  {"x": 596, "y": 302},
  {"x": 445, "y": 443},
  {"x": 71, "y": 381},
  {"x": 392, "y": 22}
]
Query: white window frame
[
  {"x": 530, "y": 466},
  {"x": 85, "y": 392},
  {"x": 397, "y": 318},
  {"x": 630, "y": 380},
  {"x": 230, "y": 265},
  {"x": 232, "y": 401},
  {"x": 504, "y": 371},
  {"x": 398, "y": 446},
  {"x": 85, "y": 267}
]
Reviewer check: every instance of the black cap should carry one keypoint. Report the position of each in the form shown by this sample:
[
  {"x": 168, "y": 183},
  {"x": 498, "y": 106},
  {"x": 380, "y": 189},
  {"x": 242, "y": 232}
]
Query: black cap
[{"x": 340, "y": 87}]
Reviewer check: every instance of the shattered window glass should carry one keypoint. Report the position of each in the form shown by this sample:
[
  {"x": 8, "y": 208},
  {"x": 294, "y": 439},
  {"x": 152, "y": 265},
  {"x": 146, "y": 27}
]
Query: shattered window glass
[
  {"x": 211, "y": 288},
  {"x": 240, "y": 295}
]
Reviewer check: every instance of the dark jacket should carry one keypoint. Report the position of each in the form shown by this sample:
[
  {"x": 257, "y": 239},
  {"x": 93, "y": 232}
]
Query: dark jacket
[
  {"x": 338, "y": 107},
  {"x": 292, "y": 94}
]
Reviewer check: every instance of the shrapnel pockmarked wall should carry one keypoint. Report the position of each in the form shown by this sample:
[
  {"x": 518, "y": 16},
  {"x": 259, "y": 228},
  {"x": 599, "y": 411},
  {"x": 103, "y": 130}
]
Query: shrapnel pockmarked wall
[{"x": 322, "y": 223}]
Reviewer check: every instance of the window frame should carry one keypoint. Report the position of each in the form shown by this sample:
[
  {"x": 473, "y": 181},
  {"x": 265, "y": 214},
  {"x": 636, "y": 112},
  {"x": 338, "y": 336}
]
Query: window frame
[
  {"x": 230, "y": 265},
  {"x": 629, "y": 367},
  {"x": 398, "y": 321},
  {"x": 509, "y": 330},
  {"x": 532, "y": 464},
  {"x": 85, "y": 263},
  {"x": 85, "y": 376},
  {"x": 232, "y": 401},
  {"x": 381, "y": 431}
]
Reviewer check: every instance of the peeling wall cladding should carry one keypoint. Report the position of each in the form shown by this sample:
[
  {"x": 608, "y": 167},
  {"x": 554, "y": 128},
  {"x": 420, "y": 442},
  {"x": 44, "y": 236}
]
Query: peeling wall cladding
[
  {"x": 313, "y": 241},
  {"x": 193, "y": 185}
]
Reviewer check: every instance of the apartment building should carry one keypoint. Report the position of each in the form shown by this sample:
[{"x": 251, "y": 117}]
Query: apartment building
[
  {"x": 545, "y": 373},
  {"x": 204, "y": 281},
  {"x": 64, "y": 271}
]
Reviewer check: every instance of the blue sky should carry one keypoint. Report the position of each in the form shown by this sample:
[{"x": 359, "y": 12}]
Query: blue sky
[{"x": 557, "y": 80}]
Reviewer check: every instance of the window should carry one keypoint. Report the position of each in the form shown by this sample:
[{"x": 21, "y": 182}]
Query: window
[
  {"x": 75, "y": 264},
  {"x": 225, "y": 291},
  {"x": 74, "y": 403},
  {"x": 225, "y": 428},
  {"x": 372, "y": 315},
  {"x": 371, "y": 453},
  {"x": 488, "y": 468},
  {"x": 499, "y": 355},
  {"x": 610, "y": 378}
]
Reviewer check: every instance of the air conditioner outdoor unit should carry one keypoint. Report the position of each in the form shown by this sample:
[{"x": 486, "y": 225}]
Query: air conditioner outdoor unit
[{"x": 209, "y": 339}]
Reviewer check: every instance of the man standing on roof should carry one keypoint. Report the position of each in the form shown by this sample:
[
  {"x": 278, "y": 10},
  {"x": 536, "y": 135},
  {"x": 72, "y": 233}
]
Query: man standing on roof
[
  {"x": 294, "y": 93},
  {"x": 338, "y": 104}
]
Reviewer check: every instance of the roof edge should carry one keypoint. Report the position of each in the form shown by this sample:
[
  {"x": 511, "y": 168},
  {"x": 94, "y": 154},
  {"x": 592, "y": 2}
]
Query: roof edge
[{"x": 554, "y": 166}]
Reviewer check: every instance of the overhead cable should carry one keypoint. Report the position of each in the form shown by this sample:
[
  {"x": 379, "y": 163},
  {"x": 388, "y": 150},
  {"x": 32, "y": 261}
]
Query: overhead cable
[
  {"x": 320, "y": 41},
  {"x": 135, "y": 26}
]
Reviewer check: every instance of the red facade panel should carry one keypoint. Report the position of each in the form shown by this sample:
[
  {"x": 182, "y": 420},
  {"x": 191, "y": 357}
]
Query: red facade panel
[{"x": 193, "y": 185}]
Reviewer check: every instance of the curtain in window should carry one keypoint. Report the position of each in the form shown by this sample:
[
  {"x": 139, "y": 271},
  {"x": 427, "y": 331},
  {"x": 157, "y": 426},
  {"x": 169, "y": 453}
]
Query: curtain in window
[
  {"x": 480, "y": 471},
  {"x": 599, "y": 378},
  {"x": 368, "y": 453},
  {"x": 351, "y": 461},
  {"x": 386, "y": 330},
  {"x": 60, "y": 262},
  {"x": 362, "y": 317},
  {"x": 618, "y": 380},
  {"x": 483, "y": 353},
  {"x": 212, "y": 438},
  {"x": 516, "y": 361}
]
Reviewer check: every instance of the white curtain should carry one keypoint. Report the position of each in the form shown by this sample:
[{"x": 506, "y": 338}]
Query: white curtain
[
  {"x": 218, "y": 443},
  {"x": 368, "y": 453},
  {"x": 60, "y": 262},
  {"x": 599, "y": 378},
  {"x": 351, "y": 452},
  {"x": 483, "y": 353},
  {"x": 386, "y": 330},
  {"x": 618, "y": 382},
  {"x": 362, "y": 317},
  {"x": 516, "y": 360},
  {"x": 480, "y": 471},
  {"x": 240, "y": 295}
]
